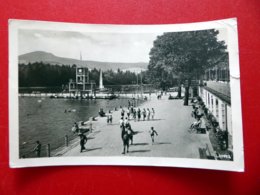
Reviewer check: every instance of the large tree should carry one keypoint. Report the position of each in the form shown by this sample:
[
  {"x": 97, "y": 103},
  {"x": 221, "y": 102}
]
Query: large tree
[{"x": 185, "y": 54}]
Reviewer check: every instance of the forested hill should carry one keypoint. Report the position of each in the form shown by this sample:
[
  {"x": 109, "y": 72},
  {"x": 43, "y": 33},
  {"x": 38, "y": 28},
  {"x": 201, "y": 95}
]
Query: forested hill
[{"x": 49, "y": 58}]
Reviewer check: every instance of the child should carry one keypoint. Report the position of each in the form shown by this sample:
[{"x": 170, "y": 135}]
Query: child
[
  {"x": 152, "y": 133},
  {"x": 153, "y": 113},
  {"x": 148, "y": 114},
  {"x": 144, "y": 114},
  {"x": 139, "y": 114}
]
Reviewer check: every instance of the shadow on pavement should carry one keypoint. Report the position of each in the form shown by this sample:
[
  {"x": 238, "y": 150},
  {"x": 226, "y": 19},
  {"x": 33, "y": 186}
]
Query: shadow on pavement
[
  {"x": 139, "y": 144},
  {"x": 159, "y": 119},
  {"x": 136, "y": 132},
  {"x": 91, "y": 149},
  {"x": 95, "y": 132},
  {"x": 137, "y": 151},
  {"x": 161, "y": 143}
]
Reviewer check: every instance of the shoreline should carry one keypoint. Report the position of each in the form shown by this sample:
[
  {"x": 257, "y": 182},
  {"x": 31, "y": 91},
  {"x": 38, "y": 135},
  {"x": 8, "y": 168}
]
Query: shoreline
[{"x": 97, "y": 96}]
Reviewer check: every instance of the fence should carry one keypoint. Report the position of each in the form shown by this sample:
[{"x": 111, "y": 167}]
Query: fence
[{"x": 48, "y": 150}]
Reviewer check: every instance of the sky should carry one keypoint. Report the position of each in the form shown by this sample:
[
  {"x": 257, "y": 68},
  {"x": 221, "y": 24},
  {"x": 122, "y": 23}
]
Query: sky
[{"x": 106, "y": 47}]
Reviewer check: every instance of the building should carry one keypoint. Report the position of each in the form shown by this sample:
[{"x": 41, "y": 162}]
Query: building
[{"x": 215, "y": 93}]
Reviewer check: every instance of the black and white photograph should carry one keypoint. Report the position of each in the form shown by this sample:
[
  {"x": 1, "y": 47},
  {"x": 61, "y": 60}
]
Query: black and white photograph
[{"x": 149, "y": 95}]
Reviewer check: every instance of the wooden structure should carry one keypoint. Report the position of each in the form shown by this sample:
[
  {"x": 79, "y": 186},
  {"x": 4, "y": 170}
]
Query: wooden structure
[{"x": 82, "y": 85}]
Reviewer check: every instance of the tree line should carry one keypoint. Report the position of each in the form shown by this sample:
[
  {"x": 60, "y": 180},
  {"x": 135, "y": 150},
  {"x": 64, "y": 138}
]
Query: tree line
[{"x": 39, "y": 74}]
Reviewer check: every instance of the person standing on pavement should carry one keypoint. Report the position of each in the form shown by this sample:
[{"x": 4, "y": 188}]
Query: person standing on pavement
[
  {"x": 153, "y": 113},
  {"x": 121, "y": 122},
  {"x": 109, "y": 117},
  {"x": 134, "y": 114},
  {"x": 122, "y": 112},
  {"x": 152, "y": 133},
  {"x": 144, "y": 114},
  {"x": 126, "y": 122},
  {"x": 83, "y": 141},
  {"x": 148, "y": 114},
  {"x": 139, "y": 114},
  {"x": 129, "y": 104},
  {"x": 128, "y": 113}
]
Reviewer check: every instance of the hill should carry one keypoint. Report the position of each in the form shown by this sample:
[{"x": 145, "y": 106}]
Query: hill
[{"x": 41, "y": 56}]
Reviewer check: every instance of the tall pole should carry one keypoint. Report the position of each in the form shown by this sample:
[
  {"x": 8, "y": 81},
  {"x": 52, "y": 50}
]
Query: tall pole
[{"x": 141, "y": 85}]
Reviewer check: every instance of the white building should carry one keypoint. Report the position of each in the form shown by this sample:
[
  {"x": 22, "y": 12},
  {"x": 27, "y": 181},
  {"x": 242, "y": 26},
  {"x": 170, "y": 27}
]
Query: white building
[{"x": 216, "y": 97}]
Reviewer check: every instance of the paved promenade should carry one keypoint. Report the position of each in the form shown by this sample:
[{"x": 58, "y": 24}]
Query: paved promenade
[{"x": 171, "y": 121}]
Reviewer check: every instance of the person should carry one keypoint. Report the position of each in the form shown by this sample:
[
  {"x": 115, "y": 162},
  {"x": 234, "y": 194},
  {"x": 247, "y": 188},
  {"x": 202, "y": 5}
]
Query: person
[
  {"x": 101, "y": 112},
  {"x": 126, "y": 123},
  {"x": 125, "y": 139},
  {"x": 109, "y": 117},
  {"x": 121, "y": 122},
  {"x": 139, "y": 114},
  {"x": 129, "y": 104},
  {"x": 152, "y": 133},
  {"x": 130, "y": 133},
  {"x": 132, "y": 110},
  {"x": 144, "y": 114},
  {"x": 122, "y": 113},
  {"x": 128, "y": 113},
  {"x": 148, "y": 114},
  {"x": 83, "y": 141},
  {"x": 153, "y": 113},
  {"x": 37, "y": 148},
  {"x": 76, "y": 127},
  {"x": 134, "y": 115},
  {"x": 195, "y": 125}
]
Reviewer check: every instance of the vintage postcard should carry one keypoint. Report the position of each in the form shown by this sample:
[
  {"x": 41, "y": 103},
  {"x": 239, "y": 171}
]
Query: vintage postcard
[{"x": 147, "y": 95}]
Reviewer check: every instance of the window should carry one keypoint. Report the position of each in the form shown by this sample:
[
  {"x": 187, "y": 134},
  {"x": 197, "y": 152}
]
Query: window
[
  {"x": 223, "y": 108},
  {"x": 217, "y": 113}
]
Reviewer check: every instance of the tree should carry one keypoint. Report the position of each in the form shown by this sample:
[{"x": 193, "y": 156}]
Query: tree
[{"x": 185, "y": 54}]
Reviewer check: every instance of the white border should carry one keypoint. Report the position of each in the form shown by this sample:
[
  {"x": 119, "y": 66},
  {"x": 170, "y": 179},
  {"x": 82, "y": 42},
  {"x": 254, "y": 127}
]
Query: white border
[{"x": 229, "y": 24}]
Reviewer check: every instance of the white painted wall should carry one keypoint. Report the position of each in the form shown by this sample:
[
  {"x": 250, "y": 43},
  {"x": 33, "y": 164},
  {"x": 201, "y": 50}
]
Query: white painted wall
[{"x": 221, "y": 118}]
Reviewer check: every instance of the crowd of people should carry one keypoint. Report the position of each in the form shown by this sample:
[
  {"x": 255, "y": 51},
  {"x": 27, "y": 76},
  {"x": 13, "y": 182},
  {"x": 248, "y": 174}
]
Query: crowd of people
[
  {"x": 135, "y": 114},
  {"x": 129, "y": 113},
  {"x": 138, "y": 114}
]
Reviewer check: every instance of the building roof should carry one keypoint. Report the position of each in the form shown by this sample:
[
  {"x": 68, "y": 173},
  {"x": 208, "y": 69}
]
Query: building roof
[{"x": 223, "y": 97}]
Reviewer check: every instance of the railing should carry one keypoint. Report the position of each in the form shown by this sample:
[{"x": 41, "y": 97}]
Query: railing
[{"x": 48, "y": 150}]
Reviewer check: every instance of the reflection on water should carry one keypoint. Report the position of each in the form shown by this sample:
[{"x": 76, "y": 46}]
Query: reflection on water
[{"x": 45, "y": 120}]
